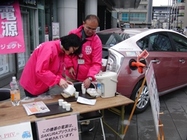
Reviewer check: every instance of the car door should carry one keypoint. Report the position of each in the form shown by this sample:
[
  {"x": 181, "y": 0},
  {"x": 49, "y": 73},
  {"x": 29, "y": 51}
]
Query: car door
[
  {"x": 166, "y": 65},
  {"x": 180, "y": 45}
]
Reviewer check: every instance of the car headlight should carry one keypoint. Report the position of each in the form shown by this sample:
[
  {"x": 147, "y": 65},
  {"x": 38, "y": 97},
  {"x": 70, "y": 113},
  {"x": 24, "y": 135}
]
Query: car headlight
[{"x": 114, "y": 62}]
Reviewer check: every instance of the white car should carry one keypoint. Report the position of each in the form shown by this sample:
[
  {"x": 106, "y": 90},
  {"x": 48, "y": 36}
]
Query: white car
[{"x": 169, "y": 50}]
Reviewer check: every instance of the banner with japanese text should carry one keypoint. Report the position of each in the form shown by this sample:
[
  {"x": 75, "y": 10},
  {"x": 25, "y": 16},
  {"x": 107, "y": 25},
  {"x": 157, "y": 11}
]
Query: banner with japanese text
[{"x": 11, "y": 29}]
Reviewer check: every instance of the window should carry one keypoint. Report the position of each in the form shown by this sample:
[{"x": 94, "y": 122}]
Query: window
[
  {"x": 161, "y": 42},
  {"x": 180, "y": 42},
  {"x": 125, "y": 17},
  {"x": 7, "y": 65},
  {"x": 155, "y": 42},
  {"x": 144, "y": 43},
  {"x": 110, "y": 39}
]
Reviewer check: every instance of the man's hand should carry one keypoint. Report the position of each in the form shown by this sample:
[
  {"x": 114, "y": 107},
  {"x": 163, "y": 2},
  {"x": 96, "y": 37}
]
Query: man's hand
[{"x": 87, "y": 83}]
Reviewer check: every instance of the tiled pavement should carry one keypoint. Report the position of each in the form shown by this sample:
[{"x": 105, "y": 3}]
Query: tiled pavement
[{"x": 174, "y": 119}]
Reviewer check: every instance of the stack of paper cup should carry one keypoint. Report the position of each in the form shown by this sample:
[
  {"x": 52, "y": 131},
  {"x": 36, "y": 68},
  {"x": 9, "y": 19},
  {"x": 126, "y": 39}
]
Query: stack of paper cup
[
  {"x": 60, "y": 102},
  {"x": 64, "y": 104},
  {"x": 68, "y": 106}
]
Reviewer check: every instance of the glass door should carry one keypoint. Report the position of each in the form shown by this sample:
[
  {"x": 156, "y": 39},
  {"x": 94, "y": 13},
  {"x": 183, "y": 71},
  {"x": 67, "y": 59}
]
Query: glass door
[
  {"x": 7, "y": 65},
  {"x": 23, "y": 57},
  {"x": 29, "y": 23}
]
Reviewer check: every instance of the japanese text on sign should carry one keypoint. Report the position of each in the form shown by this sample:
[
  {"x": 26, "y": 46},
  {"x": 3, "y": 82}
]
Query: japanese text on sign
[
  {"x": 10, "y": 26},
  {"x": 59, "y": 132},
  {"x": 64, "y": 128},
  {"x": 11, "y": 32}
]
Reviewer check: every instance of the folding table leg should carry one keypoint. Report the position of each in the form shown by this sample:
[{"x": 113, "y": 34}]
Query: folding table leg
[{"x": 102, "y": 128}]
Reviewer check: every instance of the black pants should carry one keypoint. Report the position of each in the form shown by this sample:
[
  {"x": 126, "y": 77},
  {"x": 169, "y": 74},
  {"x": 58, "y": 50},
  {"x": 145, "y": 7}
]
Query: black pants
[{"x": 28, "y": 94}]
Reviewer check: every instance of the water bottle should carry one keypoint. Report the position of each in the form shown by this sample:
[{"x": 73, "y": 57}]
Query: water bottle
[
  {"x": 14, "y": 92},
  {"x": 100, "y": 88}
]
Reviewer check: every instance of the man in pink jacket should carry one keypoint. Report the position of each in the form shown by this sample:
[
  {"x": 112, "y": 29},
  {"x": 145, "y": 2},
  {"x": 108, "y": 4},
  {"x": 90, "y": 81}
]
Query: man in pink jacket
[
  {"x": 45, "y": 66},
  {"x": 85, "y": 65}
]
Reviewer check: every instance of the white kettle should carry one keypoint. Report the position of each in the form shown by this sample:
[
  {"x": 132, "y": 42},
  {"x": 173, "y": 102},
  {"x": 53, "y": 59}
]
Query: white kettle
[
  {"x": 106, "y": 83},
  {"x": 70, "y": 90}
]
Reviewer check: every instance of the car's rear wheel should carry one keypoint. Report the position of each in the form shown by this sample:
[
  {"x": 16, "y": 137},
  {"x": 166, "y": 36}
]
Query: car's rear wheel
[{"x": 143, "y": 101}]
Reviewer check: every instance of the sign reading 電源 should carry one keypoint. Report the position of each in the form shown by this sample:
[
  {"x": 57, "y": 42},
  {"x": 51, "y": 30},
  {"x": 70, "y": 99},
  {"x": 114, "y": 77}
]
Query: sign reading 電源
[
  {"x": 63, "y": 128},
  {"x": 11, "y": 30}
]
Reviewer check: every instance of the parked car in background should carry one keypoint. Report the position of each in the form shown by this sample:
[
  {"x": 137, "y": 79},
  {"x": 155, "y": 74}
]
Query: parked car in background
[
  {"x": 109, "y": 38},
  {"x": 127, "y": 33},
  {"x": 169, "y": 50},
  {"x": 125, "y": 26}
]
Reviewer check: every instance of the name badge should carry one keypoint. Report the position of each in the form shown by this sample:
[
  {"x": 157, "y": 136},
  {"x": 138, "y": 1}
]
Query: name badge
[{"x": 80, "y": 61}]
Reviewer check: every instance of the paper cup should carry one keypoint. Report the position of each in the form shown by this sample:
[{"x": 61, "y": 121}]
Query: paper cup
[
  {"x": 64, "y": 104},
  {"x": 60, "y": 102},
  {"x": 68, "y": 106},
  {"x": 76, "y": 94}
]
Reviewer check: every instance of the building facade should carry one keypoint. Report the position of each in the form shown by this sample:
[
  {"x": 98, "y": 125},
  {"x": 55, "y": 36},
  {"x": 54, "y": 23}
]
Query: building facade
[
  {"x": 172, "y": 16},
  {"x": 178, "y": 13},
  {"x": 161, "y": 17},
  {"x": 45, "y": 20},
  {"x": 135, "y": 17}
]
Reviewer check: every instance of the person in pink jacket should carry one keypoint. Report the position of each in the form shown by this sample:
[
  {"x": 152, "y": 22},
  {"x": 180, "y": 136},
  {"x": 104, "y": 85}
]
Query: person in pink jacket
[
  {"x": 85, "y": 65},
  {"x": 45, "y": 66}
]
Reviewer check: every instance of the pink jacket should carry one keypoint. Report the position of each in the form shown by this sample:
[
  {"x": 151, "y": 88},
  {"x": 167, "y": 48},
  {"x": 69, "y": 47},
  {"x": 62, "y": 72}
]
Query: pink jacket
[
  {"x": 44, "y": 68},
  {"x": 91, "y": 54}
]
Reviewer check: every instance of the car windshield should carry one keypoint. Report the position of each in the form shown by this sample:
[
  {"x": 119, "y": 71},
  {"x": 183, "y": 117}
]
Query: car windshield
[{"x": 110, "y": 39}]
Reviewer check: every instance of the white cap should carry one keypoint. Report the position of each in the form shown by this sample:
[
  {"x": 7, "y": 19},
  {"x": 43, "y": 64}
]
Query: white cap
[{"x": 13, "y": 78}]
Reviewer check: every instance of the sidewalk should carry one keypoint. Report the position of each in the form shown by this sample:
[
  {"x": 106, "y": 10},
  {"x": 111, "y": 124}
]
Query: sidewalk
[{"x": 174, "y": 119}]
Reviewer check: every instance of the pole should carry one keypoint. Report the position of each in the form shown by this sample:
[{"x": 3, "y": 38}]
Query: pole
[
  {"x": 136, "y": 101},
  {"x": 169, "y": 17}
]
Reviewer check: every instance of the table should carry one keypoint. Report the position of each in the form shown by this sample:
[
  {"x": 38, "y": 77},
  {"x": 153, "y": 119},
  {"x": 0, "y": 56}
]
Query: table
[{"x": 16, "y": 114}]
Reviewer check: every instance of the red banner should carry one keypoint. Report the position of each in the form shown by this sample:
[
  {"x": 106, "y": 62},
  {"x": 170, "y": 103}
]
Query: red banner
[{"x": 11, "y": 29}]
